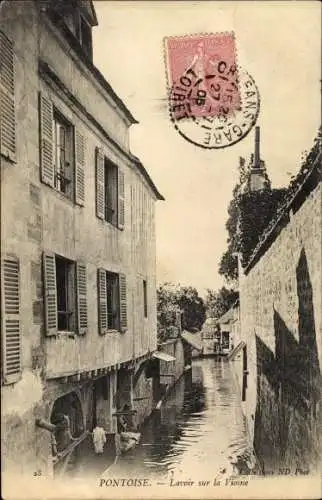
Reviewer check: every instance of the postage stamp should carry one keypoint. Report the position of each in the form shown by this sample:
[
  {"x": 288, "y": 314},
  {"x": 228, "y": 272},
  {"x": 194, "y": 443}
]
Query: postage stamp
[{"x": 213, "y": 102}]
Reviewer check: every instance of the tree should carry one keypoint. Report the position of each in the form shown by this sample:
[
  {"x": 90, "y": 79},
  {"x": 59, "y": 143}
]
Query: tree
[
  {"x": 228, "y": 265},
  {"x": 244, "y": 225},
  {"x": 218, "y": 302},
  {"x": 172, "y": 298}
]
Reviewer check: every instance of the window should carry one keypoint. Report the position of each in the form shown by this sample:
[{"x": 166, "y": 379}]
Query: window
[
  {"x": 77, "y": 25},
  {"x": 10, "y": 320},
  {"x": 7, "y": 99},
  {"x": 110, "y": 191},
  {"x": 112, "y": 301},
  {"x": 145, "y": 299},
  {"x": 110, "y": 188},
  {"x": 65, "y": 295},
  {"x": 63, "y": 154},
  {"x": 225, "y": 340},
  {"x": 65, "y": 289},
  {"x": 85, "y": 36}
]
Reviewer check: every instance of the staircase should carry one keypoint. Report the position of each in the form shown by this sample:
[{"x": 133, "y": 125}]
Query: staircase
[{"x": 236, "y": 350}]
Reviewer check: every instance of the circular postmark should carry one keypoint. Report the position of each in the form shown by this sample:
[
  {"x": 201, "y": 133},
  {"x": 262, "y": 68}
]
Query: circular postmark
[{"x": 216, "y": 109}]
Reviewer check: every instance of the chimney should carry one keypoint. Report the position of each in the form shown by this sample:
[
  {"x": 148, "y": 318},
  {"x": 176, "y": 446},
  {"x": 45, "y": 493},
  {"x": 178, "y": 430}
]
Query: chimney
[{"x": 257, "y": 148}]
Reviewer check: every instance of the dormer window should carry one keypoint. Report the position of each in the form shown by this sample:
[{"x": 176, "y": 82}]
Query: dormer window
[
  {"x": 79, "y": 23},
  {"x": 85, "y": 36}
]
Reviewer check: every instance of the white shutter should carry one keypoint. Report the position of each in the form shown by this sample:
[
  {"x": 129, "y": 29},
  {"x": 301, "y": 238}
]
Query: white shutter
[
  {"x": 123, "y": 302},
  {"x": 11, "y": 334},
  {"x": 100, "y": 184},
  {"x": 102, "y": 301},
  {"x": 50, "y": 292},
  {"x": 47, "y": 168},
  {"x": 7, "y": 99},
  {"x": 81, "y": 298},
  {"x": 80, "y": 168},
  {"x": 121, "y": 199}
]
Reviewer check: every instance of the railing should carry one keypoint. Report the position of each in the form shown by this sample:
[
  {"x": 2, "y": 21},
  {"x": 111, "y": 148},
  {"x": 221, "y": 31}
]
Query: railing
[{"x": 236, "y": 350}]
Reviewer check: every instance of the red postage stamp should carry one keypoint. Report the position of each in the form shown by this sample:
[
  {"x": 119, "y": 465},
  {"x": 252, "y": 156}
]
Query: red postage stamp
[
  {"x": 213, "y": 102},
  {"x": 203, "y": 74}
]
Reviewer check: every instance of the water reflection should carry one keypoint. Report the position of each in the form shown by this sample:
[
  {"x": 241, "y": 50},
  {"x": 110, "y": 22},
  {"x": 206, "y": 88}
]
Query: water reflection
[{"x": 199, "y": 432}]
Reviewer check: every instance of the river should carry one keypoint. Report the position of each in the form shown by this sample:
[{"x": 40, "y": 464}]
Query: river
[{"x": 199, "y": 432}]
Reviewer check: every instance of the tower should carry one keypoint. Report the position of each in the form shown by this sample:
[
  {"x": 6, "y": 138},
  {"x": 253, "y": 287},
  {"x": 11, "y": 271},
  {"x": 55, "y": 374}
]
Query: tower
[{"x": 257, "y": 174}]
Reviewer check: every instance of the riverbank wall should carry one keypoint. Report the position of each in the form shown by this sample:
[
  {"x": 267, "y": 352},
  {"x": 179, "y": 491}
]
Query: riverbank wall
[{"x": 280, "y": 298}]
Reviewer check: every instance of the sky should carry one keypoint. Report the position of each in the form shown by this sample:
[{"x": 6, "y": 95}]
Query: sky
[{"x": 278, "y": 43}]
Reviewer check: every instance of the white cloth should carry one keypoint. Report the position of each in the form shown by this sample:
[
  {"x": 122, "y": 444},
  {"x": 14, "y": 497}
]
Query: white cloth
[{"x": 99, "y": 439}]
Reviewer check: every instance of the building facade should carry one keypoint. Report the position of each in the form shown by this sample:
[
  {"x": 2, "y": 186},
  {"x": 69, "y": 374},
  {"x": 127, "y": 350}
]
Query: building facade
[
  {"x": 229, "y": 325},
  {"x": 280, "y": 312},
  {"x": 78, "y": 237}
]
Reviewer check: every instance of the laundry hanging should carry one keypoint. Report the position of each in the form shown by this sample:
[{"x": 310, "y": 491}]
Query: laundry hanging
[{"x": 99, "y": 439}]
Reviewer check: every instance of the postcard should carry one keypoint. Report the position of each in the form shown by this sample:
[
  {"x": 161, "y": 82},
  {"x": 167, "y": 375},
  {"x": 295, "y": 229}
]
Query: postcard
[{"x": 161, "y": 257}]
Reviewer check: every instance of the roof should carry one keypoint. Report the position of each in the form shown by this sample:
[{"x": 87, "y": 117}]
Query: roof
[
  {"x": 163, "y": 356},
  {"x": 227, "y": 317},
  {"x": 210, "y": 322},
  {"x": 88, "y": 7},
  {"x": 145, "y": 174},
  {"x": 192, "y": 339}
]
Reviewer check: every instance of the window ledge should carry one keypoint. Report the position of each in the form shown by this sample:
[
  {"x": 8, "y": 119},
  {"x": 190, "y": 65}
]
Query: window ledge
[
  {"x": 8, "y": 156},
  {"x": 115, "y": 226},
  {"x": 63, "y": 333},
  {"x": 60, "y": 195}
]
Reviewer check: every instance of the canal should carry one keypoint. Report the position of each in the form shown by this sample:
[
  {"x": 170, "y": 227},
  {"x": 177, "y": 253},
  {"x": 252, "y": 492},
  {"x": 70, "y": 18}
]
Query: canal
[{"x": 199, "y": 432}]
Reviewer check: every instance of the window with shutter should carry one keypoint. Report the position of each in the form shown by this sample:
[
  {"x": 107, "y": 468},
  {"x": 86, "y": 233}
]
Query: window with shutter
[
  {"x": 50, "y": 297},
  {"x": 121, "y": 199},
  {"x": 62, "y": 152},
  {"x": 145, "y": 299},
  {"x": 80, "y": 168},
  {"x": 47, "y": 167},
  {"x": 102, "y": 301},
  {"x": 81, "y": 298},
  {"x": 100, "y": 184},
  {"x": 7, "y": 99},
  {"x": 123, "y": 302},
  {"x": 111, "y": 201},
  {"x": 11, "y": 335},
  {"x": 113, "y": 301}
]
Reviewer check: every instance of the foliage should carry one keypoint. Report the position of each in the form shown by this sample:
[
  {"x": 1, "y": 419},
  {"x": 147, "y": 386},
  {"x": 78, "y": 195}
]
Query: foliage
[
  {"x": 257, "y": 209},
  {"x": 217, "y": 303},
  {"x": 308, "y": 159},
  {"x": 243, "y": 225},
  {"x": 172, "y": 298}
]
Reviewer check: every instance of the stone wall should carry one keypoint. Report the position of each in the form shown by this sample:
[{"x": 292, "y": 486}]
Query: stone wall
[
  {"x": 280, "y": 300},
  {"x": 142, "y": 395},
  {"x": 171, "y": 371}
]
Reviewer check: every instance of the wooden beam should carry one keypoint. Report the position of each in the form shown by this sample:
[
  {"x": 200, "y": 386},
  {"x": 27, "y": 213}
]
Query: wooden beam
[
  {"x": 71, "y": 447},
  {"x": 125, "y": 412},
  {"x": 75, "y": 378}
]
